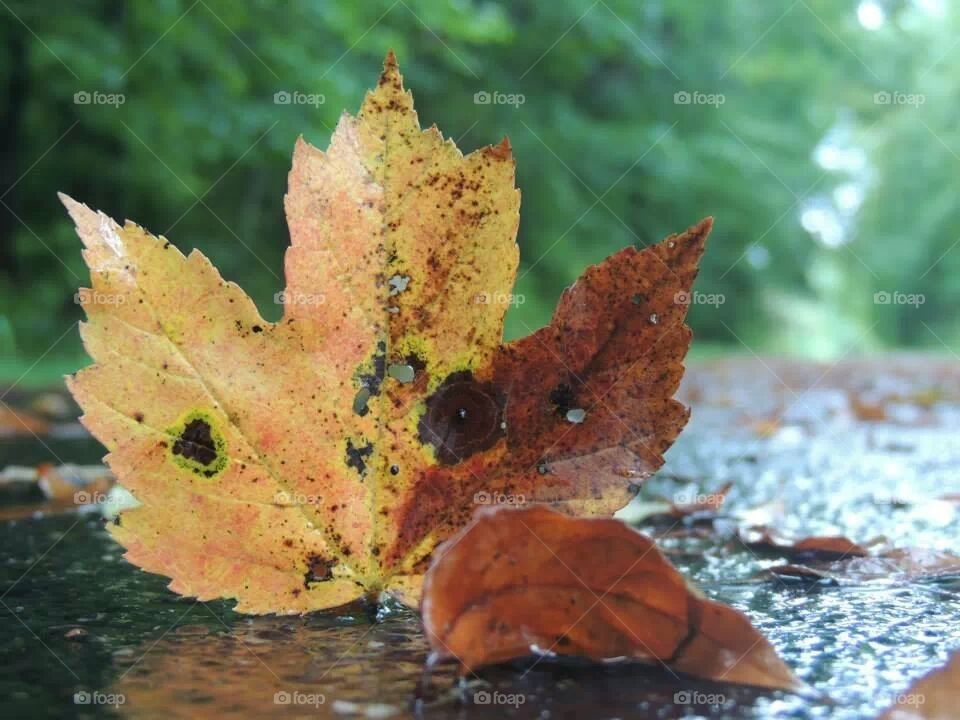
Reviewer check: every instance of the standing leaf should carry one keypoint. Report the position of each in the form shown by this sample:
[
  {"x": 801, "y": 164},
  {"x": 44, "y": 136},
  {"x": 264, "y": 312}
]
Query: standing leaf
[{"x": 300, "y": 464}]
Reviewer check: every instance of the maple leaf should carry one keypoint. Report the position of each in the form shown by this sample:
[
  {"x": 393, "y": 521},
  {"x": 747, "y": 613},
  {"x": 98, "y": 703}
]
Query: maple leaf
[
  {"x": 301, "y": 464},
  {"x": 537, "y": 582}
]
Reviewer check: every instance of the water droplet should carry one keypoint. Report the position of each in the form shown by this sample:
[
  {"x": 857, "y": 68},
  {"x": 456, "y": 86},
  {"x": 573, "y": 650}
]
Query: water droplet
[
  {"x": 576, "y": 415},
  {"x": 398, "y": 283},
  {"x": 671, "y": 244},
  {"x": 360, "y": 401},
  {"x": 401, "y": 373},
  {"x": 393, "y": 309},
  {"x": 542, "y": 468},
  {"x": 461, "y": 413},
  {"x": 394, "y": 469},
  {"x": 654, "y": 319}
]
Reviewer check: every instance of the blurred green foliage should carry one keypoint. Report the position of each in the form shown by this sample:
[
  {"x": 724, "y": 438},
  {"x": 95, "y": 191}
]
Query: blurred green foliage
[{"x": 824, "y": 191}]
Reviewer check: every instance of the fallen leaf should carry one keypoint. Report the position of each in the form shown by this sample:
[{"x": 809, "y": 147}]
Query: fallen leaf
[
  {"x": 527, "y": 581},
  {"x": 933, "y": 697},
  {"x": 901, "y": 563},
  {"x": 50, "y": 489},
  {"x": 799, "y": 573},
  {"x": 867, "y": 410},
  {"x": 767, "y": 427},
  {"x": 898, "y": 564},
  {"x": 20, "y": 422},
  {"x": 824, "y": 547},
  {"x": 80, "y": 485},
  {"x": 301, "y": 464}
]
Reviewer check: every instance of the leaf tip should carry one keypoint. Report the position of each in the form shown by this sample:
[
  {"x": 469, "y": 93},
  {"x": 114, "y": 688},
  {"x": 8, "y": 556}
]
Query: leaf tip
[
  {"x": 703, "y": 227},
  {"x": 501, "y": 151},
  {"x": 74, "y": 208},
  {"x": 391, "y": 70}
]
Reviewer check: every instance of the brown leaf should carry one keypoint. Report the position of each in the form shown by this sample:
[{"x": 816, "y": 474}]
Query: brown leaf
[
  {"x": 823, "y": 547},
  {"x": 531, "y": 579},
  {"x": 935, "y": 696},
  {"x": 902, "y": 564},
  {"x": 20, "y": 422}
]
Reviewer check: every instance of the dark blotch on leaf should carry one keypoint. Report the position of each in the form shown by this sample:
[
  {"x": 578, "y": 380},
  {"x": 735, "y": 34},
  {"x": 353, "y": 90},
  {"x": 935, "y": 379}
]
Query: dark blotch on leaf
[
  {"x": 416, "y": 362},
  {"x": 196, "y": 443},
  {"x": 563, "y": 398},
  {"x": 357, "y": 456},
  {"x": 372, "y": 381},
  {"x": 463, "y": 416},
  {"x": 319, "y": 570}
]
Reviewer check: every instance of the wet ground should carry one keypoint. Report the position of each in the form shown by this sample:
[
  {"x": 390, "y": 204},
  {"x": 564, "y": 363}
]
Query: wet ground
[{"x": 864, "y": 450}]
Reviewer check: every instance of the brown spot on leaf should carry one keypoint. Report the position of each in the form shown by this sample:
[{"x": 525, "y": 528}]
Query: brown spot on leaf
[
  {"x": 196, "y": 443},
  {"x": 463, "y": 416},
  {"x": 319, "y": 569}
]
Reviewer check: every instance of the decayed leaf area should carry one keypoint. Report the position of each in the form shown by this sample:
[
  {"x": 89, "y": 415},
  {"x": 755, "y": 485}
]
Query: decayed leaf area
[{"x": 301, "y": 464}]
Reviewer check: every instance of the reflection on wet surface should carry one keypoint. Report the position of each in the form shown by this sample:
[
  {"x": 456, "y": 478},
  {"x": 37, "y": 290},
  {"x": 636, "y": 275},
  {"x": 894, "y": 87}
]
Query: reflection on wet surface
[{"x": 861, "y": 454}]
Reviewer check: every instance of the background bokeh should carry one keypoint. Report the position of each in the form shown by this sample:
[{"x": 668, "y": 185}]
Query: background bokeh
[{"x": 822, "y": 134}]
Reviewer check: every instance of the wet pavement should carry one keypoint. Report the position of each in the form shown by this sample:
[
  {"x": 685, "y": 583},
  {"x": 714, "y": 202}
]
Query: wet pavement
[{"x": 860, "y": 449}]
